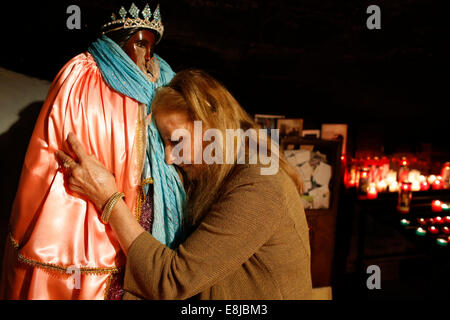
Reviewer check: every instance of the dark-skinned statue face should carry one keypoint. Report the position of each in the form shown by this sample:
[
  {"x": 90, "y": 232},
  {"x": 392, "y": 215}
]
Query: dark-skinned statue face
[{"x": 140, "y": 49}]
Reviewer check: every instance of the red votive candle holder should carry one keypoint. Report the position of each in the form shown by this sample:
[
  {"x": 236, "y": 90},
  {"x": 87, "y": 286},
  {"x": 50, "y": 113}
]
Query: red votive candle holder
[
  {"x": 422, "y": 221},
  {"x": 447, "y": 219},
  {"x": 446, "y": 230},
  {"x": 424, "y": 186},
  {"x": 436, "y": 206},
  {"x": 438, "y": 220},
  {"x": 372, "y": 192},
  {"x": 433, "y": 230},
  {"x": 437, "y": 185}
]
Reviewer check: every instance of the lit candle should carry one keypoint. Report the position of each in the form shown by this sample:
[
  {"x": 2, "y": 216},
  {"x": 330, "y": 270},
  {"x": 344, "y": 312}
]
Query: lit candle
[
  {"x": 405, "y": 222},
  {"x": 420, "y": 231},
  {"x": 415, "y": 186},
  {"x": 445, "y": 207},
  {"x": 404, "y": 198},
  {"x": 422, "y": 221},
  {"x": 424, "y": 186},
  {"x": 438, "y": 220},
  {"x": 372, "y": 192},
  {"x": 447, "y": 219},
  {"x": 431, "y": 179},
  {"x": 403, "y": 171},
  {"x": 437, "y": 185},
  {"x": 391, "y": 176},
  {"x": 446, "y": 230},
  {"x": 436, "y": 206},
  {"x": 422, "y": 178},
  {"x": 381, "y": 186},
  {"x": 430, "y": 220},
  {"x": 442, "y": 242},
  {"x": 393, "y": 187},
  {"x": 414, "y": 175},
  {"x": 433, "y": 229}
]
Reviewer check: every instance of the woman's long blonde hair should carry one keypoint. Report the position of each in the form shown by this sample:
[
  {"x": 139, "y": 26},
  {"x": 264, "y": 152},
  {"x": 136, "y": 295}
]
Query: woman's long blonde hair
[{"x": 204, "y": 98}]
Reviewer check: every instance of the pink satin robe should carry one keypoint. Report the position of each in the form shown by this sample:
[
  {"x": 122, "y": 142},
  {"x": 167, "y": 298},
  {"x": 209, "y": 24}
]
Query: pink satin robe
[{"x": 54, "y": 232}]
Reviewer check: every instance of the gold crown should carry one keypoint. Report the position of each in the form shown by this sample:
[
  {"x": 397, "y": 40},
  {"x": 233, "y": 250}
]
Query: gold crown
[{"x": 134, "y": 21}]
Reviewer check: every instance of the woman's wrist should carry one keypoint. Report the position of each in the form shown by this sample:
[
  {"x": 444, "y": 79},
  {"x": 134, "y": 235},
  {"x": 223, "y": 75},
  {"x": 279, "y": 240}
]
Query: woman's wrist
[
  {"x": 114, "y": 217},
  {"x": 124, "y": 225}
]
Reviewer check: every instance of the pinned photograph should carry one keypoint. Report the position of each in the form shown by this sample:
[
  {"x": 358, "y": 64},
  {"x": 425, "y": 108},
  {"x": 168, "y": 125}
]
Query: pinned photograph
[
  {"x": 267, "y": 121},
  {"x": 290, "y": 127},
  {"x": 335, "y": 132}
]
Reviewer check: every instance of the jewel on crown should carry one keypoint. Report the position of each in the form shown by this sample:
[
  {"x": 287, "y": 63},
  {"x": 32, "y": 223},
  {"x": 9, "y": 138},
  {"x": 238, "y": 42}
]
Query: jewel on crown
[{"x": 131, "y": 19}]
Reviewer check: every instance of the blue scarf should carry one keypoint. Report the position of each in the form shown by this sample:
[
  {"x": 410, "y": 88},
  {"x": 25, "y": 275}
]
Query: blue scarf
[{"x": 123, "y": 75}]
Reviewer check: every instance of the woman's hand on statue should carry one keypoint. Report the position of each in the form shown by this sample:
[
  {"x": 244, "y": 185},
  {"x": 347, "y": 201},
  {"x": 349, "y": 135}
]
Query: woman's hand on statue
[{"x": 87, "y": 177}]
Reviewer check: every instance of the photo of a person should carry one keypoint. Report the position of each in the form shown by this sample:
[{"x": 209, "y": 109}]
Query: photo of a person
[{"x": 290, "y": 127}]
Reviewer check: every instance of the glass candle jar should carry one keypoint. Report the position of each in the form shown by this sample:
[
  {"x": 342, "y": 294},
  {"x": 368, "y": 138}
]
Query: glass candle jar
[
  {"x": 404, "y": 198},
  {"x": 372, "y": 191},
  {"x": 445, "y": 174},
  {"x": 403, "y": 171},
  {"x": 364, "y": 181}
]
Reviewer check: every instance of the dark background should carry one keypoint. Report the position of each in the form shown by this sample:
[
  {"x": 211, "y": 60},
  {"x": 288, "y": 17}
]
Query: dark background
[{"x": 310, "y": 59}]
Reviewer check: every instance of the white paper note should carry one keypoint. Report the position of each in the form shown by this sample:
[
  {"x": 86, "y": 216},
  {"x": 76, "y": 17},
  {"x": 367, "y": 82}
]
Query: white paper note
[
  {"x": 322, "y": 174},
  {"x": 321, "y": 197},
  {"x": 306, "y": 171},
  {"x": 302, "y": 156}
]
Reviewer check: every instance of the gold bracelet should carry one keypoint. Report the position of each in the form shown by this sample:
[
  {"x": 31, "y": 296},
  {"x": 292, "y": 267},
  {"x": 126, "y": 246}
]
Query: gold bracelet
[{"x": 107, "y": 209}]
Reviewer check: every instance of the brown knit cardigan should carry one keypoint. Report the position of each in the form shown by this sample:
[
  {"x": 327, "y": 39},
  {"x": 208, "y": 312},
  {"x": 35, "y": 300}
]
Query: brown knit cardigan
[{"x": 253, "y": 244}]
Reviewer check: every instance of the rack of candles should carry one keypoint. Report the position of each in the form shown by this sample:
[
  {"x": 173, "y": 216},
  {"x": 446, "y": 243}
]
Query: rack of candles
[
  {"x": 388, "y": 174},
  {"x": 426, "y": 218},
  {"x": 434, "y": 228}
]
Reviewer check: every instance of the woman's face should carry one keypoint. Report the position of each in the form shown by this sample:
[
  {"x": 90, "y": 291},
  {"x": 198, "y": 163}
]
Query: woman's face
[
  {"x": 140, "y": 48},
  {"x": 168, "y": 122}
]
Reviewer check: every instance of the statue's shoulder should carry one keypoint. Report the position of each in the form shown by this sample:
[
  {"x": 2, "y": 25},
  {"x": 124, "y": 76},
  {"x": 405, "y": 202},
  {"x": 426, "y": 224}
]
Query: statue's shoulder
[{"x": 81, "y": 64}]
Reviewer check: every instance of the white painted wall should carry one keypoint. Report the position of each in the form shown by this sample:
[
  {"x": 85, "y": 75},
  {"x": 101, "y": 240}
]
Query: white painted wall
[{"x": 17, "y": 91}]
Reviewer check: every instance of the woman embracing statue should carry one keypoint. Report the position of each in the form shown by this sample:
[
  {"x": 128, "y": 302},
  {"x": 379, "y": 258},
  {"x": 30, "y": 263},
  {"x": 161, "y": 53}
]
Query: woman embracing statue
[{"x": 246, "y": 230}]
